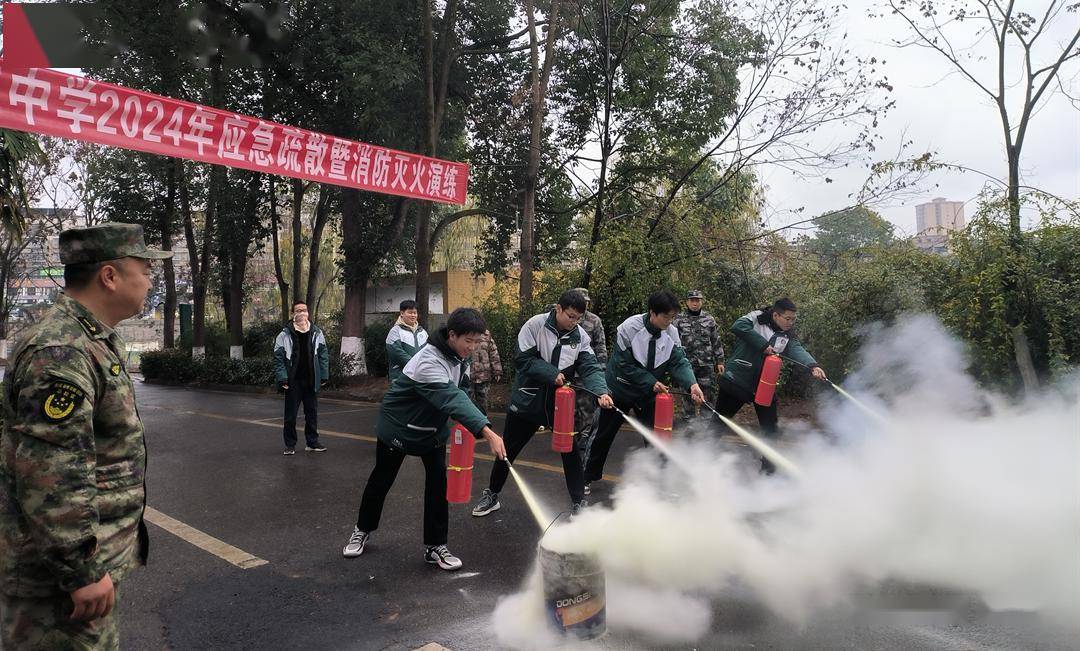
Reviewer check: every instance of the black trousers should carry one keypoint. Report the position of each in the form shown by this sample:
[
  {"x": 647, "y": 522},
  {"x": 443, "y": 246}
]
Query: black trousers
[
  {"x": 516, "y": 435},
  {"x": 295, "y": 395},
  {"x": 729, "y": 403},
  {"x": 436, "y": 511},
  {"x": 607, "y": 427}
]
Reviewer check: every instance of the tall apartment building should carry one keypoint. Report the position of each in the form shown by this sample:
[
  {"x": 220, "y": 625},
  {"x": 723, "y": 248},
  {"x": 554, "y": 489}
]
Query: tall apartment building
[{"x": 934, "y": 220}]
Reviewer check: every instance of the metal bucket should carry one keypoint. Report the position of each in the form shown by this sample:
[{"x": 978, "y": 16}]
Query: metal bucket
[{"x": 574, "y": 593}]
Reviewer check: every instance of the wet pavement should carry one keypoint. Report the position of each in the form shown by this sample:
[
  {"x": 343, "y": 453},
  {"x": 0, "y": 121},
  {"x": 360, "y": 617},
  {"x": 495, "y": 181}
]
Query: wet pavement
[{"x": 218, "y": 478}]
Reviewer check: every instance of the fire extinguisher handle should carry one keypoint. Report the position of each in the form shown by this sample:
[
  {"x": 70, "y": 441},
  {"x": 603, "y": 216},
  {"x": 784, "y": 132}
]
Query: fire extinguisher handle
[{"x": 578, "y": 386}]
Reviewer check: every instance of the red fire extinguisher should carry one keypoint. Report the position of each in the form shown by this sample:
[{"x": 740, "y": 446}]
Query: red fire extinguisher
[
  {"x": 766, "y": 387},
  {"x": 459, "y": 472},
  {"x": 664, "y": 418},
  {"x": 562, "y": 430}
]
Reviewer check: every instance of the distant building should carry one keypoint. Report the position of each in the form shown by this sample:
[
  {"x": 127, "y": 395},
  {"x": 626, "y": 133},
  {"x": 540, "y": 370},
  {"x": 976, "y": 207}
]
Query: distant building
[{"x": 934, "y": 220}]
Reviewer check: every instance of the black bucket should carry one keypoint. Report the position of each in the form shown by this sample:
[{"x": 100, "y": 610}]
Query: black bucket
[{"x": 574, "y": 594}]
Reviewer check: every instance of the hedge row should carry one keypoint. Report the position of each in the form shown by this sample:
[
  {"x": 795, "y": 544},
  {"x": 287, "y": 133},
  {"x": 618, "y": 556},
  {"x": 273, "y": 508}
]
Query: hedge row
[{"x": 179, "y": 366}]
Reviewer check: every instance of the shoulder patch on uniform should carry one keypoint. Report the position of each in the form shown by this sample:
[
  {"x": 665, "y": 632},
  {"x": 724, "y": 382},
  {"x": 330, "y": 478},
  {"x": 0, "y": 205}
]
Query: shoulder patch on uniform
[
  {"x": 62, "y": 400},
  {"x": 90, "y": 326},
  {"x": 115, "y": 369}
]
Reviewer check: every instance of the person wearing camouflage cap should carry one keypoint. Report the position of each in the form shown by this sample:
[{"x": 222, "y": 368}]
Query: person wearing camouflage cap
[
  {"x": 72, "y": 456},
  {"x": 701, "y": 341}
]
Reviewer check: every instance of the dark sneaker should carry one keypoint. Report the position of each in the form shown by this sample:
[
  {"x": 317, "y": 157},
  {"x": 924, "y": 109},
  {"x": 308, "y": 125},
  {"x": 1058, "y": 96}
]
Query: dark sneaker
[
  {"x": 767, "y": 467},
  {"x": 442, "y": 557},
  {"x": 578, "y": 506},
  {"x": 356, "y": 543},
  {"x": 488, "y": 502},
  {"x": 289, "y": 452},
  {"x": 318, "y": 447},
  {"x": 588, "y": 488}
]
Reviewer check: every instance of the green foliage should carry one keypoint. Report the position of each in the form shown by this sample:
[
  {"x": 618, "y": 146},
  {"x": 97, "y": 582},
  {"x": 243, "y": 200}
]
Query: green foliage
[
  {"x": 847, "y": 231},
  {"x": 259, "y": 338},
  {"x": 172, "y": 365},
  {"x": 869, "y": 289},
  {"x": 178, "y": 366},
  {"x": 974, "y": 304},
  {"x": 375, "y": 346}
]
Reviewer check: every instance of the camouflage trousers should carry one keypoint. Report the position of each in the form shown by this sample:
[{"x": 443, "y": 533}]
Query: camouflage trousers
[
  {"x": 689, "y": 409},
  {"x": 42, "y": 624},
  {"x": 584, "y": 418},
  {"x": 479, "y": 395}
]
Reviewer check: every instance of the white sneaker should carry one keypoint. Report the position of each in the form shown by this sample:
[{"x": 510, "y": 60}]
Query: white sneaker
[
  {"x": 441, "y": 556},
  {"x": 488, "y": 502},
  {"x": 356, "y": 543}
]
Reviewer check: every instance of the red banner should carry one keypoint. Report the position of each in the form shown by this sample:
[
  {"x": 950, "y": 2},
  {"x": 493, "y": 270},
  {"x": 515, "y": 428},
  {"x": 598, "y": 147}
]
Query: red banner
[{"x": 55, "y": 103}]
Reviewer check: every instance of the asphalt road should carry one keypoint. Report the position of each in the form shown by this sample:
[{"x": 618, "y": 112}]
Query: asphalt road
[{"x": 216, "y": 473}]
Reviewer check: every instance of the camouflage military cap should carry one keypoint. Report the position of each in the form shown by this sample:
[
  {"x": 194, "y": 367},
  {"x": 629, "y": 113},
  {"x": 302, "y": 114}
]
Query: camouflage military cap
[
  {"x": 584, "y": 292},
  {"x": 694, "y": 293},
  {"x": 110, "y": 241}
]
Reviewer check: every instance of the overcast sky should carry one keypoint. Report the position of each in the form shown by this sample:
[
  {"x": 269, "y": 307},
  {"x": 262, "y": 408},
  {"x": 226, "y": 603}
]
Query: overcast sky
[{"x": 947, "y": 115}]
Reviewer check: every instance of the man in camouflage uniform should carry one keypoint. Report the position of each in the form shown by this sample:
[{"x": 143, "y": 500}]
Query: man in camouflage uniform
[
  {"x": 486, "y": 367},
  {"x": 701, "y": 341},
  {"x": 585, "y": 407},
  {"x": 72, "y": 456}
]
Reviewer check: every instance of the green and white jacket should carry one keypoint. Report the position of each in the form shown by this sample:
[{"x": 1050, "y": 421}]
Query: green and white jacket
[
  {"x": 540, "y": 354},
  {"x": 632, "y": 370},
  {"x": 414, "y": 412},
  {"x": 753, "y": 332},
  {"x": 402, "y": 342},
  {"x": 285, "y": 364}
]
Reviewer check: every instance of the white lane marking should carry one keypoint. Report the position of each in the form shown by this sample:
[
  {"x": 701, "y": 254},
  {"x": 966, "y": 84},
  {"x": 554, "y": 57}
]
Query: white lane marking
[{"x": 204, "y": 541}]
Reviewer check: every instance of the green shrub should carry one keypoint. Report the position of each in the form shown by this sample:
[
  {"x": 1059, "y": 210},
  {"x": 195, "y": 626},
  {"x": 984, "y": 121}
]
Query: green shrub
[
  {"x": 259, "y": 339},
  {"x": 173, "y": 365},
  {"x": 375, "y": 345},
  {"x": 178, "y": 366},
  {"x": 252, "y": 371},
  {"x": 338, "y": 363}
]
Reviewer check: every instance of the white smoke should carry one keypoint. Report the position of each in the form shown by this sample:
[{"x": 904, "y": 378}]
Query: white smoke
[{"x": 952, "y": 487}]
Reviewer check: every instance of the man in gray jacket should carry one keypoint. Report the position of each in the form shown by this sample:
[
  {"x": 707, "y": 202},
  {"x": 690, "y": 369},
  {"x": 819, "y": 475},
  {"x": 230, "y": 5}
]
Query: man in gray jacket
[{"x": 301, "y": 367}]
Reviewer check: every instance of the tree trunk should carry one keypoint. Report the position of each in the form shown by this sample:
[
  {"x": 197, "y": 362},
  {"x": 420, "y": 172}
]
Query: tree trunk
[
  {"x": 605, "y": 149},
  {"x": 538, "y": 82},
  {"x": 3, "y": 302},
  {"x": 275, "y": 230},
  {"x": 198, "y": 278},
  {"x": 353, "y": 319},
  {"x": 423, "y": 262},
  {"x": 298, "y": 190},
  {"x": 322, "y": 216},
  {"x": 167, "y": 222},
  {"x": 1023, "y": 360},
  {"x": 1016, "y": 312},
  {"x": 436, "y": 86}
]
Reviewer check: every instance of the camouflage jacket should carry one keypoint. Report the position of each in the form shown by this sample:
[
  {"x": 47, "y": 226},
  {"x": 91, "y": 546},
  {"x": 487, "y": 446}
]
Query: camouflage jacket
[
  {"x": 700, "y": 340},
  {"x": 486, "y": 365},
  {"x": 592, "y": 326},
  {"x": 72, "y": 458}
]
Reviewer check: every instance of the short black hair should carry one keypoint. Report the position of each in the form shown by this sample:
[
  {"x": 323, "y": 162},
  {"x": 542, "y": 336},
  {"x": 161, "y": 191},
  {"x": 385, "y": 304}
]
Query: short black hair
[
  {"x": 663, "y": 302},
  {"x": 407, "y": 304},
  {"x": 295, "y": 303},
  {"x": 466, "y": 320},
  {"x": 572, "y": 298},
  {"x": 784, "y": 305},
  {"x": 78, "y": 276}
]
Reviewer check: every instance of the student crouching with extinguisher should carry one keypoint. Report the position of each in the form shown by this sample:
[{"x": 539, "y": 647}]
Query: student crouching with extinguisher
[
  {"x": 551, "y": 351},
  {"x": 413, "y": 422},
  {"x": 764, "y": 332}
]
